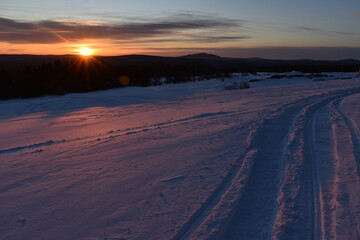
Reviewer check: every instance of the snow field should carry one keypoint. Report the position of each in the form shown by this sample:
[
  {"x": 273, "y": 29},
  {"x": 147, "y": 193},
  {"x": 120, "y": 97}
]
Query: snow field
[{"x": 186, "y": 161}]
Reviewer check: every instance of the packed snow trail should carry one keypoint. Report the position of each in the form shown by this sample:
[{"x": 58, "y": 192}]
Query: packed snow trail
[
  {"x": 253, "y": 217},
  {"x": 355, "y": 134},
  {"x": 347, "y": 219},
  {"x": 264, "y": 163}
]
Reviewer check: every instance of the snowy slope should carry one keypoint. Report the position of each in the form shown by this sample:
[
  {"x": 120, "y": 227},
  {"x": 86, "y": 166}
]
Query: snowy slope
[{"x": 184, "y": 161}]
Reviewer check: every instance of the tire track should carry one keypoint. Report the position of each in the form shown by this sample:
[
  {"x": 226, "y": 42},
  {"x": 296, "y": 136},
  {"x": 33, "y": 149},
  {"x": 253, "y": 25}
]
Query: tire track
[
  {"x": 208, "y": 217},
  {"x": 316, "y": 214},
  {"x": 354, "y": 132},
  {"x": 110, "y": 135},
  {"x": 316, "y": 230},
  {"x": 299, "y": 214},
  {"x": 348, "y": 201},
  {"x": 203, "y": 221},
  {"x": 234, "y": 184}
]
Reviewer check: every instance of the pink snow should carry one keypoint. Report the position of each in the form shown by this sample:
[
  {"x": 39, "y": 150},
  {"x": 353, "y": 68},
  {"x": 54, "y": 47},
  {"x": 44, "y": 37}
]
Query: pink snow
[{"x": 184, "y": 161}]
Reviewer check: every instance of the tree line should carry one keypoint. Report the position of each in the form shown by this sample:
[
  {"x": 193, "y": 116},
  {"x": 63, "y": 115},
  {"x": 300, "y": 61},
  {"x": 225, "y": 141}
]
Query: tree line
[{"x": 80, "y": 74}]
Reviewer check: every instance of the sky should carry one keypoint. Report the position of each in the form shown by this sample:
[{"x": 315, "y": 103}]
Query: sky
[{"x": 283, "y": 29}]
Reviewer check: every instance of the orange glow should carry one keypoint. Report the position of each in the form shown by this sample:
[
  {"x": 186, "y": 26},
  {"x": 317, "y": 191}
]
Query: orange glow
[
  {"x": 85, "y": 51},
  {"x": 124, "y": 80}
]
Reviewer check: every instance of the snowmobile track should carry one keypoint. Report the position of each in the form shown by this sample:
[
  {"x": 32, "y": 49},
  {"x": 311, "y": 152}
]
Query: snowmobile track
[
  {"x": 354, "y": 131},
  {"x": 291, "y": 114}
]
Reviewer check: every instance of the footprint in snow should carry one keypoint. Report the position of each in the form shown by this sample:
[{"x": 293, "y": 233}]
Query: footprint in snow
[
  {"x": 21, "y": 221},
  {"x": 38, "y": 151},
  {"x": 163, "y": 198},
  {"x": 174, "y": 179}
]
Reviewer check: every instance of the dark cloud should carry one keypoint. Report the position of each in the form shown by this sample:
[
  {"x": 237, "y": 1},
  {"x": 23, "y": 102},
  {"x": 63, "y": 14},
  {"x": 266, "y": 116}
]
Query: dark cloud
[
  {"x": 14, "y": 49},
  {"x": 327, "y": 33},
  {"x": 180, "y": 38},
  {"x": 8, "y": 24},
  {"x": 215, "y": 39},
  {"x": 309, "y": 29},
  {"x": 345, "y": 33},
  {"x": 56, "y": 31}
]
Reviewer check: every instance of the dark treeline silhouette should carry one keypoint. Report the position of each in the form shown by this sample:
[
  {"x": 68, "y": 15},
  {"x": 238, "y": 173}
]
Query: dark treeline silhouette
[
  {"x": 57, "y": 78},
  {"x": 25, "y": 76}
]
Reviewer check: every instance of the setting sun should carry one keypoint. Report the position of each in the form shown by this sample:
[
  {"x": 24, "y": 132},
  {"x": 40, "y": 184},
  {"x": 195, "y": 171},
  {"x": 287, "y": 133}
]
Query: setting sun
[{"x": 85, "y": 51}]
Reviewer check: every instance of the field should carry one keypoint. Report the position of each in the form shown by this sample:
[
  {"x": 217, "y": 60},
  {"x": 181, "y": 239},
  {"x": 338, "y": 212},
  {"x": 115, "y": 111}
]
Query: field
[{"x": 280, "y": 160}]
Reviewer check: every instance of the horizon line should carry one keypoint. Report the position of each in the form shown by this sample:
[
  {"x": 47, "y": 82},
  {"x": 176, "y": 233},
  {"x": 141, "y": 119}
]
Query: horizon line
[{"x": 179, "y": 56}]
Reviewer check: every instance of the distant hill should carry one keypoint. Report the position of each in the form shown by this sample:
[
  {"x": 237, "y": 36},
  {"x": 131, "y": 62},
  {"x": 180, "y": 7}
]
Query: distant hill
[
  {"x": 203, "y": 56},
  {"x": 217, "y": 63},
  {"x": 24, "y": 76}
]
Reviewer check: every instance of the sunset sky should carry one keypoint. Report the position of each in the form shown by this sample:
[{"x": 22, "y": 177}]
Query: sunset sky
[{"x": 287, "y": 29}]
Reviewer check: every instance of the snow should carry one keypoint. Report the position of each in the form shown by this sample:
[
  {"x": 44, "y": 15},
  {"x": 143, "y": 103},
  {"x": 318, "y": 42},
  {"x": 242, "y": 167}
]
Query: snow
[{"x": 185, "y": 161}]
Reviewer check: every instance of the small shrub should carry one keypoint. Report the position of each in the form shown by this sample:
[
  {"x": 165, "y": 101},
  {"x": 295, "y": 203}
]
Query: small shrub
[
  {"x": 277, "y": 76},
  {"x": 236, "y": 85},
  {"x": 244, "y": 85},
  {"x": 230, "y": 87},
  {"x": 255, "y": 80},
  {"x": 280, "y": 76},
  {"x": 156, "y": 81}
]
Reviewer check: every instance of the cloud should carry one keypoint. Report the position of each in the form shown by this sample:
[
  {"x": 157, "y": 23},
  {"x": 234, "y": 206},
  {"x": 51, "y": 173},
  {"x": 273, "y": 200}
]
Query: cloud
[
  {"x": 49, "y": 31},
  {"x": 320, "y": 31},
  {"x": 15, "y": 49},
  {"x": 309, "y": 29},
  {"x": 185, "y": 38},
  {"x": 345, "y": 33},
  {"x": 215, "y": 39}
]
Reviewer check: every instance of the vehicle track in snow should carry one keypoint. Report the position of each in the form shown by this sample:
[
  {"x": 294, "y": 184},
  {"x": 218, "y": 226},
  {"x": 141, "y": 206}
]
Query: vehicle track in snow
[
  {"x": 354, "y": 131},
  {"x": 247, "y": 204},
  {"x": 349, "y": 179},
  {"x": 322, "y": 209},
  {"x": 312, "y": 181},
  {"x": 109, "y": 135},
  {"x": 260, "y": 160},
  {"x": 311, "y": 163}
]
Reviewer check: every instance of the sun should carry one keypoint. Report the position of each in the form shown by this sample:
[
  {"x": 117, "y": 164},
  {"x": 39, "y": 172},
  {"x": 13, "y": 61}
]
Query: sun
[{"x": 84, "y": 51}]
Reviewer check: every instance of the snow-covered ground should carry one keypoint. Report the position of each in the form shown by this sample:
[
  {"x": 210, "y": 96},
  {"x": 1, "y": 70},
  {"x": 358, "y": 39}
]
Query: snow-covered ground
[{"x": 280, "y": 160}]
